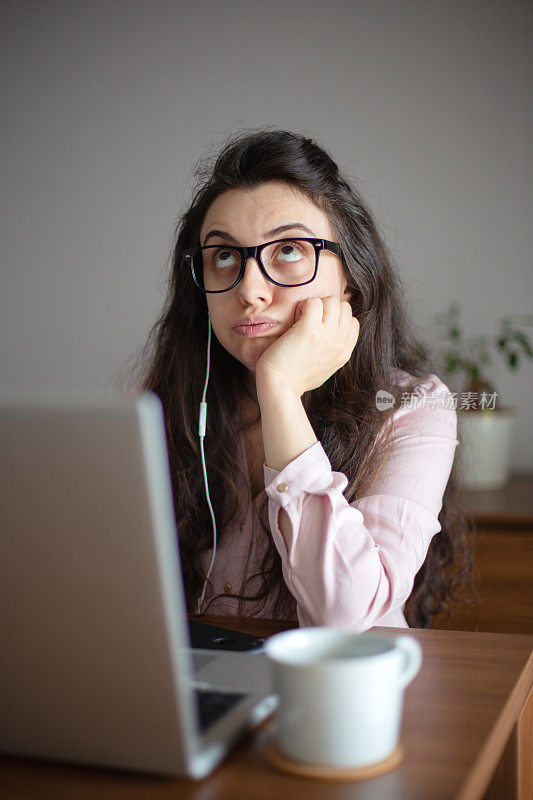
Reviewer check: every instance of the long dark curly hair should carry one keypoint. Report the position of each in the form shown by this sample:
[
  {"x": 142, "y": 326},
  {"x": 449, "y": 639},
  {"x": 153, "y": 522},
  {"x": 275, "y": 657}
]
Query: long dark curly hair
[{"x": 342, "y": 411}]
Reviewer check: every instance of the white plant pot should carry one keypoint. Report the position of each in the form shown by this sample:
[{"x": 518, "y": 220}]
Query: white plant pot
[{"x": 484, "y": 449}]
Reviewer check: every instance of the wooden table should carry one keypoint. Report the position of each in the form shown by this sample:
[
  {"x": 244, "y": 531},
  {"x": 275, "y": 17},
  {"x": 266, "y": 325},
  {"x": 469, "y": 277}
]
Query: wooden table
[
  {"x": 467, "y": 735},
  {"x": 503, "y": 561}
]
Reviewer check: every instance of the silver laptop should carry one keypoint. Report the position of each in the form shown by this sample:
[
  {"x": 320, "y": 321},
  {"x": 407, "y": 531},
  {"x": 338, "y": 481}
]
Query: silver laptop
[{"x": 96, "y": 665}]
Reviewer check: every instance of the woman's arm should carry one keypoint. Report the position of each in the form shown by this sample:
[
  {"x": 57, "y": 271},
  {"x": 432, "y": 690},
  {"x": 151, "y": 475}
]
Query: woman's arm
[
  {"x": 345, "y": 564},
  {"x": 287, "y": 432},
  {"x": 319, "y": 343},
  {"x": 354, "y": 564}
]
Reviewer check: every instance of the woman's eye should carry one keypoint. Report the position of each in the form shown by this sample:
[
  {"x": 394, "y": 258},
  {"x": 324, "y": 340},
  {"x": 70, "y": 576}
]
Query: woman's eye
[
  {"x": 289, "y": 252},
  {"x": 225, "y": 258}
]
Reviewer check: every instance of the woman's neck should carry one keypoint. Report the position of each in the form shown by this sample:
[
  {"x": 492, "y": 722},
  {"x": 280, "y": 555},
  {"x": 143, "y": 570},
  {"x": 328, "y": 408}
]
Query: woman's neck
[
  {"x": 249, "y": 385},
  {"x": 249, "y": 410}
]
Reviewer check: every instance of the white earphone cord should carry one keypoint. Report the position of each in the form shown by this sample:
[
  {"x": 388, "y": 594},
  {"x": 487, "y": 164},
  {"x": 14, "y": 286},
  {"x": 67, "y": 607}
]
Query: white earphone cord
[{"x": 201, "y": 432}]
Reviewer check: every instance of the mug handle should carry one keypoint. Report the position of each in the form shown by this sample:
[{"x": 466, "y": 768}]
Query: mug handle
[{"x": 413, "y": 659}]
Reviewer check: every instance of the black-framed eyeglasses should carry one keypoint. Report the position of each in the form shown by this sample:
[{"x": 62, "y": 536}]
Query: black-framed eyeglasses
[{"x": 284, "y": 262}]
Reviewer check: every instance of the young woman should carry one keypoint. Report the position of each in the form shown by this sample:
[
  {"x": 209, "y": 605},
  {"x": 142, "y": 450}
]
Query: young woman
[{"x": 330, "y": 441}]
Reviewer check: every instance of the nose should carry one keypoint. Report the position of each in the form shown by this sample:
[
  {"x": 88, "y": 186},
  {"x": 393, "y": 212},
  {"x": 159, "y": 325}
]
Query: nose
[{"x": 254, "y": 285}]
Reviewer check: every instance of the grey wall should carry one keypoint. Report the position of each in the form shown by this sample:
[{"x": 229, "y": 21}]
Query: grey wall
[{"x": 427, "y": 105}]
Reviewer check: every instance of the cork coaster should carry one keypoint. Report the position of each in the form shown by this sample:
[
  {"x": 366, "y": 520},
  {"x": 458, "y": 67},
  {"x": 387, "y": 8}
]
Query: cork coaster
[{"x": 282, "y": 762}]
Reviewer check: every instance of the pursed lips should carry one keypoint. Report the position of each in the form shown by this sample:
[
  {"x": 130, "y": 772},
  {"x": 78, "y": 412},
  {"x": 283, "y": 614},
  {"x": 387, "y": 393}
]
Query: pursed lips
[{"x": 255, "y": 329}]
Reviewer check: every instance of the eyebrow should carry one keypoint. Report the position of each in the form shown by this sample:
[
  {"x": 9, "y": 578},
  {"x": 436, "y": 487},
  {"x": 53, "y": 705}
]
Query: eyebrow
[{"x": 274, "y": 232}]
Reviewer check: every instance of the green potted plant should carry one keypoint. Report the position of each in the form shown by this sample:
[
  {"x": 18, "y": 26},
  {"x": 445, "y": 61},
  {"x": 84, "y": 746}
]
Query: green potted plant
[{"x": 485, "y": 426}]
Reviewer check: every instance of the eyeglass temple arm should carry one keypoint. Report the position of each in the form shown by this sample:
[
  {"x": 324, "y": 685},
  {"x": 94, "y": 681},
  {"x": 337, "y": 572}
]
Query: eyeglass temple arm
[{"x": 333, "y": 246}]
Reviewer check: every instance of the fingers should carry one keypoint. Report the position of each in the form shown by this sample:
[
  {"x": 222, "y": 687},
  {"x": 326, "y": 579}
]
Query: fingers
[
  {"x": 354, "y": 333},
  {"x": 338, "y": 314},
  {"x": 311, "y": 309},
  {"x": 329, "y": 310},
  {"x": 332, "y": 312},
  {"x": 346, "y": 314}
]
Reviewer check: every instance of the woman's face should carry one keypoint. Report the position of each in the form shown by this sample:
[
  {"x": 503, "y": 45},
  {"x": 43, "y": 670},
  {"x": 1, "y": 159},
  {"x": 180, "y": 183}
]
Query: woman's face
[{"x": 252, "y": 217}]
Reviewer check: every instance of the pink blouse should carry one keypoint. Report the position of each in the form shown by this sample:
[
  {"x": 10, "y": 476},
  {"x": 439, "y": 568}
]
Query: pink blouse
[{"x": 348, "y": 565}]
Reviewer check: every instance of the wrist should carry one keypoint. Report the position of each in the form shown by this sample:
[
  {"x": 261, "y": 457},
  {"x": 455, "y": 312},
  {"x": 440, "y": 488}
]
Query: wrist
[
  {"x": 285, "y": 427},
  {"x": 273, "y": 383}
]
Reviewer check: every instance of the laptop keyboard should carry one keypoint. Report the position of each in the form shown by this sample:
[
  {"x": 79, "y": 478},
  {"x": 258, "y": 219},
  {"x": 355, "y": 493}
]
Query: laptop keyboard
[
  {"x": 200, "y": 660},
  {"x": 212, "y": 705}
]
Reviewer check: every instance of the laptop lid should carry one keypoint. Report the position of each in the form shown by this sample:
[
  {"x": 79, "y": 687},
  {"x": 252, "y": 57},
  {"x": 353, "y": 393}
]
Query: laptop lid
[{"x": 96, "y": 665}]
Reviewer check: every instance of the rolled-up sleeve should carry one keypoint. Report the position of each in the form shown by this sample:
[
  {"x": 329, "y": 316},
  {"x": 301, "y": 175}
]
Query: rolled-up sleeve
[{"x": 354, "y": 564}]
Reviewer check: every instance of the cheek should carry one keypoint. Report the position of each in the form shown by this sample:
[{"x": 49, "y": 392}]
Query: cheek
[
  {"x": 302, "y": 293},
  {"x": 295, "y": 296}
]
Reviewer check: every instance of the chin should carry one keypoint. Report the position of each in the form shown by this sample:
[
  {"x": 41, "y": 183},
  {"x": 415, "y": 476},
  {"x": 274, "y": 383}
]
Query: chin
[{"x": 256, "y": 347}]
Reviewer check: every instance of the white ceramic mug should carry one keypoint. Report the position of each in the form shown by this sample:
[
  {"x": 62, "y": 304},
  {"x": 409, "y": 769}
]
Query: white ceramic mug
[{"x": 340, "y": 693}]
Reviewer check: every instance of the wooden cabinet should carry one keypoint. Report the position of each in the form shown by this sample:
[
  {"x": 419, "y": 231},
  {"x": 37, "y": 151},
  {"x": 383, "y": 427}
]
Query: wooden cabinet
[{"x": 503, "y": 562}]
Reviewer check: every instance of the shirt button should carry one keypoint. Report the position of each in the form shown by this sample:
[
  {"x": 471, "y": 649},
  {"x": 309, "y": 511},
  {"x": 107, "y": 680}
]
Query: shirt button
[
  {"x": 282, "y": 487},
  {"x": 241, "y": 526},
  {"x": 227, "y": 588}
]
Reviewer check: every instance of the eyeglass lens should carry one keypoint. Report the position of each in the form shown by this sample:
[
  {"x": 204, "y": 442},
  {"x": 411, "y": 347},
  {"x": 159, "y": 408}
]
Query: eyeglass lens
[{"x": 289, "y": 262}]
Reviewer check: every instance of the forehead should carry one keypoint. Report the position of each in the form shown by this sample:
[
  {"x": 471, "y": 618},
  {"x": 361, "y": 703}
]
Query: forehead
[{"x": 247, "y": 212}]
